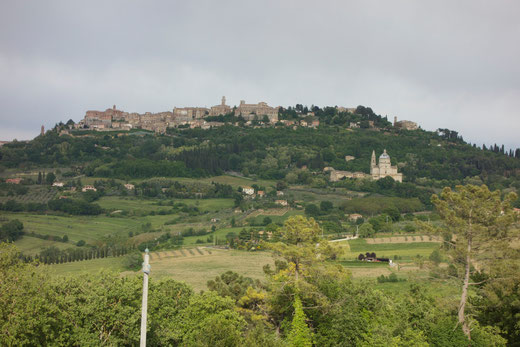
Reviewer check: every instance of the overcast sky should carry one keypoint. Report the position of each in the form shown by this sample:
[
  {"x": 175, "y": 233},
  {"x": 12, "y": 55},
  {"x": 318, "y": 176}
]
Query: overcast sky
[{"x": 444, "y": 64}]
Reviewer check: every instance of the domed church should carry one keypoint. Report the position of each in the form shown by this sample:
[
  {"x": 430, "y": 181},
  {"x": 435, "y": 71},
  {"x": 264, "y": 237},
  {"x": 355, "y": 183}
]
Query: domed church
[{"x": 384, "y": 168}]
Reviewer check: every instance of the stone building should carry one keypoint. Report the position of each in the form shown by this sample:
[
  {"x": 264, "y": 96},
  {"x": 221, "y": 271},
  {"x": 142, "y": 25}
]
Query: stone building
[
  {"x": 221, "y": 109},
  {"x": 384, "y": 168},
  {"x": 249, "y": 111},
  {"x": 103, "y": 119},
  {"x": 185, "y": 114},
  {"x": 346, "y": 109},
  {"x": 336, "y": 175},
  {"x": 405, "y": 124}
]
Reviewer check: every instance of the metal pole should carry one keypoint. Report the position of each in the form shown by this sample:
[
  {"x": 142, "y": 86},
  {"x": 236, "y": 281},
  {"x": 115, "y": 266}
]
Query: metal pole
[{"x": 144, "y": 308}]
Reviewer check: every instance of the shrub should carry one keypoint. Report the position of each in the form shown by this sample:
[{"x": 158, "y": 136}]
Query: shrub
[{"x": 133, "y": 261}]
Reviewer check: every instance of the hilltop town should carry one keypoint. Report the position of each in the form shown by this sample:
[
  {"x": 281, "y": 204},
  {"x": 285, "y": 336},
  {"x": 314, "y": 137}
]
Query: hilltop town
[
  {"x": 193, "y": 117},
  {"x": 205, "y": 118}
]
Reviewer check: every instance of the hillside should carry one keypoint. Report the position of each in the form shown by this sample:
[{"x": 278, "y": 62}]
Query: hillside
[{"x": 214, "y": 205}]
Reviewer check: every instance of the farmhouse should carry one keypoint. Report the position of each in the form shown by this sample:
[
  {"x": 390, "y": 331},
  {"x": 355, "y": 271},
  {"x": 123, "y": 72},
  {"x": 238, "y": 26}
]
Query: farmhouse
[
  {"x": 354, "y": 217},
  {"x": 248, "y": 190},
  {"x": 336, "y": 175},
  {"x": 13, "y": 180},
  {"x": 129, "y": 186},
  {"x": 58, "y": 184},
  {"x": 87, "y": 188},
  {"x": 281, "y": 202}
]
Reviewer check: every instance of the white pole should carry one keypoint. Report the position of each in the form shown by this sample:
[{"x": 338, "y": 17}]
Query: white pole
[{"x": 144, "y": 308}]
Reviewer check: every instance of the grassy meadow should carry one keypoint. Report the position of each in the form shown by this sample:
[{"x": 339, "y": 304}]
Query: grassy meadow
[
  {"x": 91, "y": 266},
  {"x": 194, "y": 263},
  {"x": 32, "y": 245},
  {"x": 405, "y": 251},
  {"x": 196, "y": 269}
]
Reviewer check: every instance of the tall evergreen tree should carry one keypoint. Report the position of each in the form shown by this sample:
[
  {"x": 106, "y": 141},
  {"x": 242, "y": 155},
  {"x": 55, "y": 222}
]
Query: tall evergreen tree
[
  {"x": 300, "y": 334},
  {"x": 479, "y": 218}
]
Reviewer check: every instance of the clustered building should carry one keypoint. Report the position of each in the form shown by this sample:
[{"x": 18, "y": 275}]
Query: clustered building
[{"x": 113, "y": 118}]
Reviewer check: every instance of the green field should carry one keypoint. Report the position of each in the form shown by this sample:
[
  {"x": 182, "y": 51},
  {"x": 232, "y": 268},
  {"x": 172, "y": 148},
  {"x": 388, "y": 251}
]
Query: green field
[
  {"x": 91, "y": 266},
  {"x": 93, "y": 229},
  {"x": 275, "y": 219},
  {"x": 219, "y": 233},
  {"x": 315, "y": 196},
  {"x": 134, "y": 204},
  {"x": 196, "y": 269},
  {"x": 407, "y": 251},
  {"x": 233, "y": 181},
  {"x": 32, "y": 245},
  {"x": 197, "y": 265},
  {"x": 88, "y": 228}
]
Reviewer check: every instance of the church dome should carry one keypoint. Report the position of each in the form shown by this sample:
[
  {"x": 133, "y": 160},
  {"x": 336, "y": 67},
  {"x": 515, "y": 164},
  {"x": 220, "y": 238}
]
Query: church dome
[{"x": 384, "y": 155}]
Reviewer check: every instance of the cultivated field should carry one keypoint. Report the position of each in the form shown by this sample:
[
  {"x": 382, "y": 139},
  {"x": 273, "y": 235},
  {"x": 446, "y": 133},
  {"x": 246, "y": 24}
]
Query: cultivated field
[
  {"x": 199, "y": 266},
  {"x": 39, "y": 194},
  {"x": 196, "y": 265},
  {"x": 405, "y": 251},
  {"x": 404, "y": 239},
  {"x": 148, "y": 205},
  {"x": 91, "y": 266},
  {"x": 88, "y": 228}
]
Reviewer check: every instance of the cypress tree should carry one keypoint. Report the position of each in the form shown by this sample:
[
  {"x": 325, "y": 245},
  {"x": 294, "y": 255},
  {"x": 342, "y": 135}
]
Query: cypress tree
[{"x": 300, "y": 334}]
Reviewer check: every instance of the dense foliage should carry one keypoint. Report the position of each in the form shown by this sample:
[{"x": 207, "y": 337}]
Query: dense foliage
[
  {"x": 11, "y": 231},
  {"x": 269, "y": 152},
  {"x": 305, "y": 300}
]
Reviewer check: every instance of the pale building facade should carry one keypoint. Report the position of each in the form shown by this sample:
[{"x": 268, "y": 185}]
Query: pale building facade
[
  {"x": 249, "y": 111},
  {"x": 384, "y": 168},
  {"x": 189, "y": 113}
]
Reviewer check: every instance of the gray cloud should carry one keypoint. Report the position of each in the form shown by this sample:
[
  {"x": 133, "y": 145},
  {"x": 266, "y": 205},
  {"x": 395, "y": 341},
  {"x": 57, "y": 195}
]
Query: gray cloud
[{"x": 443, "y": 64}]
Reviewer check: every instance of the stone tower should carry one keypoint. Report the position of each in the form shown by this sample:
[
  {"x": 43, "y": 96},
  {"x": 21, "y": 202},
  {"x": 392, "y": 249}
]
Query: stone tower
[
  {"x": 223, "y": 101},
  {"x": 373, "y": 161},
  {"x": 42, "y": 131}
]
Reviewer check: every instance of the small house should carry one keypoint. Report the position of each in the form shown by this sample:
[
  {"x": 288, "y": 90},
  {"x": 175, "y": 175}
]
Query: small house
[
  {"x": 248, "y": 190},
  {"x": 13, "y": 180},
  {"x": 88, "y": 188}
]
